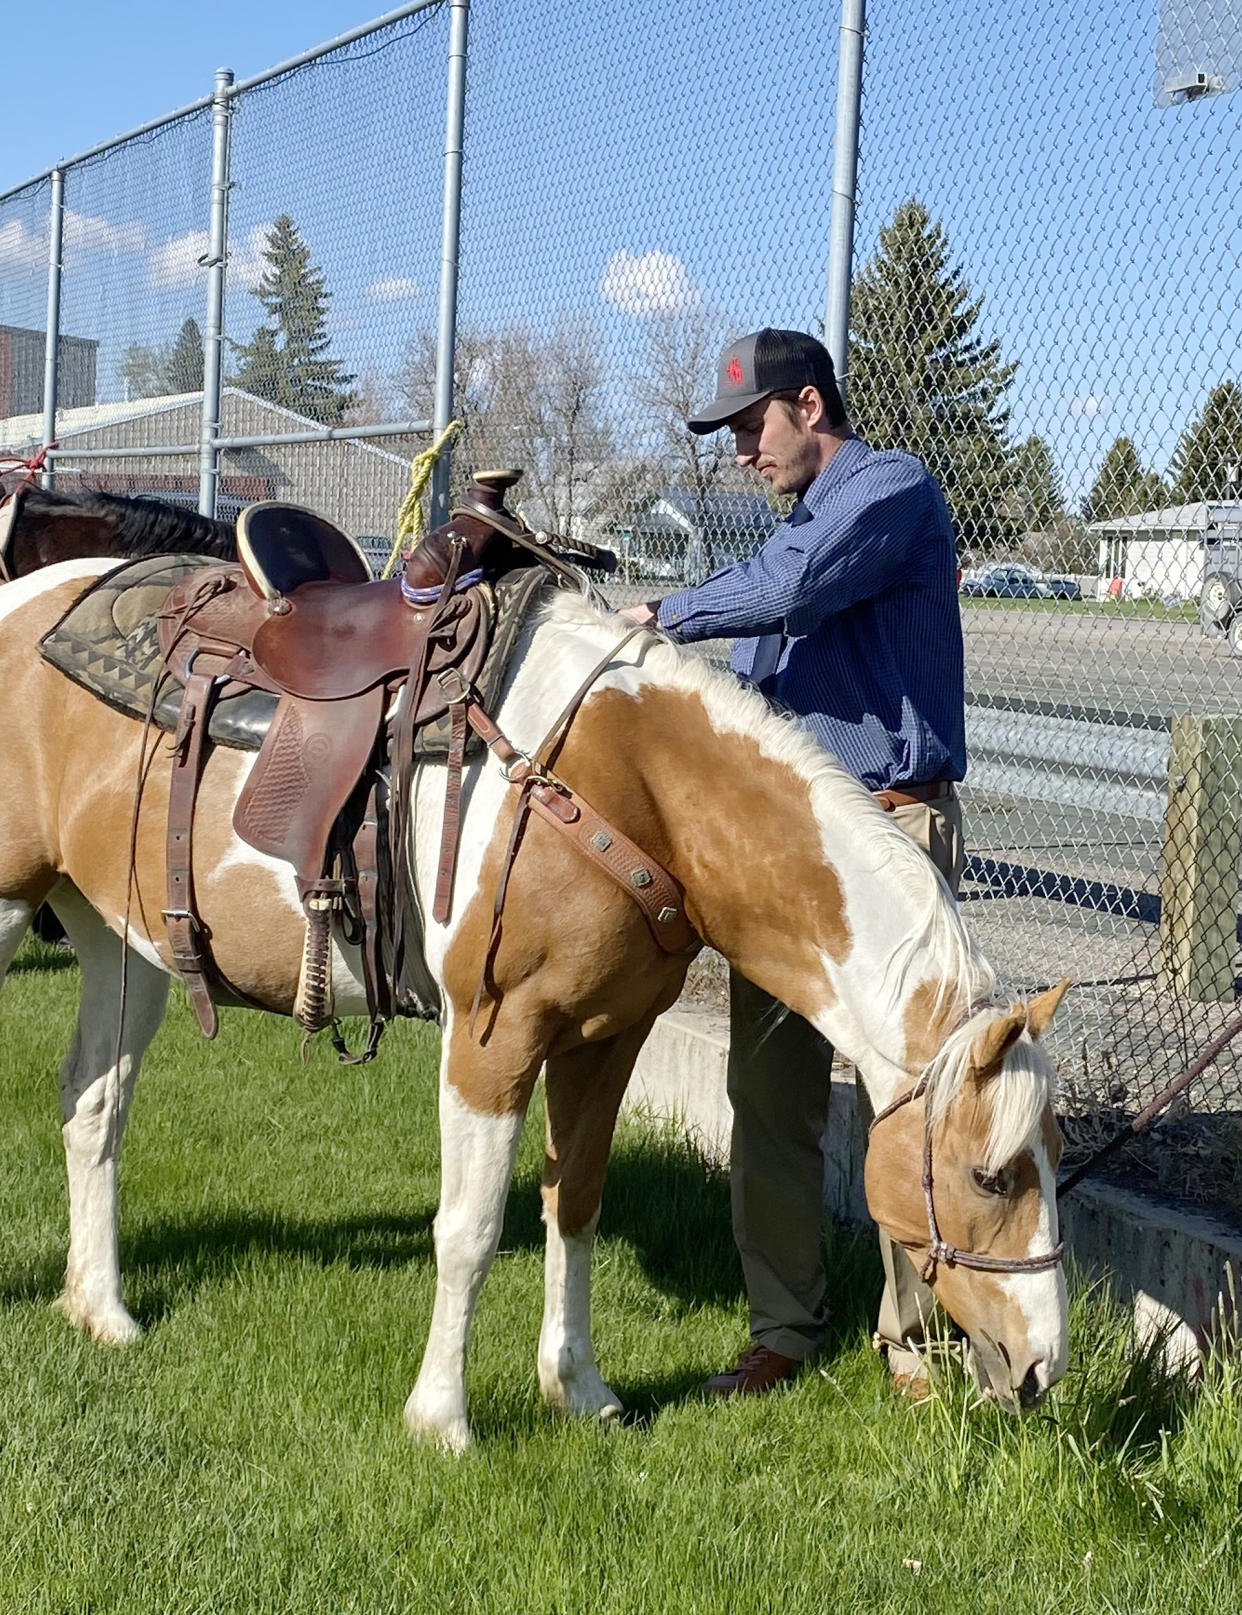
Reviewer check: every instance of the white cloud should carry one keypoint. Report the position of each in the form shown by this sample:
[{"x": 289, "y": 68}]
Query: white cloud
[
  {"x": 655, "y": 283},
  {"x": 178, "y": 261},
  {"x": 21, "y": 248},
  {"x": 1092, "y": 405},
  {"x": 85, "y": 232},
  {"x": 175, "y": 262},
  {"x": 396, "y": 289}
]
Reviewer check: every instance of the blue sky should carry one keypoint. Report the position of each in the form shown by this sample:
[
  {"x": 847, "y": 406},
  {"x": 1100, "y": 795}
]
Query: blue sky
[
  {"x": 628, "y": 161},
  {"x": 112, "y": 67}
]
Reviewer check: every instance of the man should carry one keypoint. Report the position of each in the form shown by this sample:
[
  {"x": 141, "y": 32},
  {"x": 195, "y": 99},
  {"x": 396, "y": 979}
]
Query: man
[{"x": 848, "y": 617}]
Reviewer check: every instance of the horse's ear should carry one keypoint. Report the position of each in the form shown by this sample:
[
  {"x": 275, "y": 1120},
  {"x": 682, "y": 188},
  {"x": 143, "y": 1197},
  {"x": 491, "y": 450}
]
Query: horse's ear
[
  {"x": 997, "y": 1038},
  {"x": 1039, "y": 1011}
]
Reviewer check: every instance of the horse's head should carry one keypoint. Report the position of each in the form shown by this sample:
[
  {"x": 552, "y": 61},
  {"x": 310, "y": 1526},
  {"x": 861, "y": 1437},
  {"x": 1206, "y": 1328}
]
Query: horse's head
[{"x": 963, "y": 1175}]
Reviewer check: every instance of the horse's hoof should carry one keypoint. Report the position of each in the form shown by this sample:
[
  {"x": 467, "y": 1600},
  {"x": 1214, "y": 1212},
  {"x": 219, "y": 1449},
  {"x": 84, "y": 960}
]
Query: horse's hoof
[
  {"x": 451, "y": 1435},
  {"x": 109, "y": 1326},
  {"x": 588, "y": 1397}
]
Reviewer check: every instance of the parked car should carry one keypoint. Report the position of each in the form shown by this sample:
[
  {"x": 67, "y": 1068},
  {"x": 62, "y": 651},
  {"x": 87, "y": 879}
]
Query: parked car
[
  {"x": 1061, "y": 586},
  {"x": 1008, "y": 582}
]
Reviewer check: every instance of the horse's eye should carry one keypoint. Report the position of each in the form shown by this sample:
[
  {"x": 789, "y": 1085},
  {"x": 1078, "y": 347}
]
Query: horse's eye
[{"x": 990, "y": 1182}]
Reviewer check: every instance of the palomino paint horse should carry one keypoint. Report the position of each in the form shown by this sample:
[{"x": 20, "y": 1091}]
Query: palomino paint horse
[
  {"x": 789, "y": 868},
  {"x": 40, "y": 527}
]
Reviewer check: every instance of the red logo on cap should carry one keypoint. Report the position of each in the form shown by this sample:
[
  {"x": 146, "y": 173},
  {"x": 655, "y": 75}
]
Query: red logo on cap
[{"x": 734, "y": 372}]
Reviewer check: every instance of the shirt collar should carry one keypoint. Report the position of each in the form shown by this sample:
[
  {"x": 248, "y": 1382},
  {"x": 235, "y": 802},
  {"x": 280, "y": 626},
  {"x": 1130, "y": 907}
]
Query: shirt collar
[{"x": 845, "y": 461}]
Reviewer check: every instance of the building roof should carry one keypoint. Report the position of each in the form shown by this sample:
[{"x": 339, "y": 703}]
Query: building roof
[
  {"x": 1201, "y": 517},
  {"x": 20, "y": 433},
  {"x": 722, "y": 512}
]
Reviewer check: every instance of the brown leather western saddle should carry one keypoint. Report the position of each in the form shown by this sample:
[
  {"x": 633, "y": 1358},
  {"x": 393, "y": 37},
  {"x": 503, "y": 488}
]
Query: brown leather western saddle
[{"x": 358, "y": 666}]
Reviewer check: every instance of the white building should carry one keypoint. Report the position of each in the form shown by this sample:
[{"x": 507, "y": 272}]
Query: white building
[
  {"x": 353, "y": 483},
  {"x": 1164, "y": 554}
]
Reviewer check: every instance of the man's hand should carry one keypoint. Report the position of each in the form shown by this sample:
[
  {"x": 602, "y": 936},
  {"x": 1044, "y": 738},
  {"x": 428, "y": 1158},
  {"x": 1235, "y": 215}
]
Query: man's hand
[{"x": 644, "y": 615}]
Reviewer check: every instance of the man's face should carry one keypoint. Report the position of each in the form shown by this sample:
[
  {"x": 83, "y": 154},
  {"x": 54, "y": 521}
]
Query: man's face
[{"x": 776, "y": 439}]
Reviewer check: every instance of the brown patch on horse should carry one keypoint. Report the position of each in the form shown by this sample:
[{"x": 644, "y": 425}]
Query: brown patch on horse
[
  {"x": 931, "y": 1014},
  {"x": 575, "y": 964},
  {"x": 753, "y": 898},
  {"x": 87, "y": 818}
]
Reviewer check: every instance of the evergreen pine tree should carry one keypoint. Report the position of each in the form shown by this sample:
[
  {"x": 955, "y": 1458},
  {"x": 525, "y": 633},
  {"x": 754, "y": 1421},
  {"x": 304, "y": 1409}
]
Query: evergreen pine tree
[
  {"x": 184, "y": 366},
  {"x": 286, "y": 360},
  {"x": 1037, "y": 502},
  {"x": 1207, "y": 463},
  {"x": 1122, "y": 487},
  {"x": 921, "y": 378}
]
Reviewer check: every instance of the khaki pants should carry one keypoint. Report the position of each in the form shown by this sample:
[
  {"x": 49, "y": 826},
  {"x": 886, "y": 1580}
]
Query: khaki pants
[{"x": 779, "y": 1085}]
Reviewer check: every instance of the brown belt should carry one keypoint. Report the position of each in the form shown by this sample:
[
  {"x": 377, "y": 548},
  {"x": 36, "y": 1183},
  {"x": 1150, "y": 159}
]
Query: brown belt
[{"x": 905, "y": 795}]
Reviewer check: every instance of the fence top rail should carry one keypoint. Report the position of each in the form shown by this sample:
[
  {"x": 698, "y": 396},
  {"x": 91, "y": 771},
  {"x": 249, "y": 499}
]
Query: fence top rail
[{"x": 204, "y": 101}]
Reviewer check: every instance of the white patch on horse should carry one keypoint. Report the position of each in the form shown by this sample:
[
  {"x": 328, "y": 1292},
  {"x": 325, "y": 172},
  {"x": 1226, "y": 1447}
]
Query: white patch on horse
[
  {"x": 1041, "y": 1297},
  {"x": 21, "y": 591},
  {"x": 568, "y": 1375},
  {"x": 95, "y": 1092},
  {"x": 477, "y": 1153}
]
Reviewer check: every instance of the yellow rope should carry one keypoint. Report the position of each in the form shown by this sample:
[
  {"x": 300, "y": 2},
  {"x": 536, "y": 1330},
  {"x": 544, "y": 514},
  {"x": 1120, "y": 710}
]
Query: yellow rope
[{"x": 410, "y": 518}]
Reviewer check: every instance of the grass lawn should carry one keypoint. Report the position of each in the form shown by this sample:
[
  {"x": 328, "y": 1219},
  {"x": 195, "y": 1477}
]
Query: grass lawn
[
  {"x": 248, "y": 1455},
  {"x": 1183, "y": 611}
]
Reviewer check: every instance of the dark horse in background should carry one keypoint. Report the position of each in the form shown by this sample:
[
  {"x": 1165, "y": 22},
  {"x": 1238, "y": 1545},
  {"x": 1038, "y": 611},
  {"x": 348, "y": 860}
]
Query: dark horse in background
[{"x": 40, "y": 526}]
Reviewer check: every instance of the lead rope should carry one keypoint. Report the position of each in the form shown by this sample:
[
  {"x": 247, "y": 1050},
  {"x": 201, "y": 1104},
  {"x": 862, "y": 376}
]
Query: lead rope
[{"x": 410, "y": 518}]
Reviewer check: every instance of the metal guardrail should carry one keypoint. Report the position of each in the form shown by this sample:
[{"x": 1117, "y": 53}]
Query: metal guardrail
[{"x": 1097, "y": 767}]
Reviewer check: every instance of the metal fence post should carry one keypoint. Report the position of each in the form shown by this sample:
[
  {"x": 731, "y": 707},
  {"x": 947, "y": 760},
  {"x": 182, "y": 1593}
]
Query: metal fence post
[
  {"x": 446, "y": 335},
  {"x": 844, "y": 187},
  {"x": 51, "y": 346},
  {"x": 213, "y": 330}
]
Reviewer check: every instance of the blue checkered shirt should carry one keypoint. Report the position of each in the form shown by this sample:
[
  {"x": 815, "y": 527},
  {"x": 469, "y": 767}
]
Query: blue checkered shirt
[{"x": 848, "y": 616}]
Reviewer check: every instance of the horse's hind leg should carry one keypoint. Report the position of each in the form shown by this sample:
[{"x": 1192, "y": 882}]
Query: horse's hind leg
[
  {"x": 584, "y": 1092},
  {"x": 95, "y": 1092},
  {"x": 484, "y": 1092}
]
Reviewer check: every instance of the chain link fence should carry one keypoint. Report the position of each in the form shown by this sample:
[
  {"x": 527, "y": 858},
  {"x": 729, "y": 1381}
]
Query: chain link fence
[{"x": 1045, "y": 291}]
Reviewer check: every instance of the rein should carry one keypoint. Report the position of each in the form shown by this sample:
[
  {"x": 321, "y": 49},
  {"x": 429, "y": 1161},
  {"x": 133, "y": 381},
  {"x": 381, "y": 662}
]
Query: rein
[{"x": 940, "y": 1249}]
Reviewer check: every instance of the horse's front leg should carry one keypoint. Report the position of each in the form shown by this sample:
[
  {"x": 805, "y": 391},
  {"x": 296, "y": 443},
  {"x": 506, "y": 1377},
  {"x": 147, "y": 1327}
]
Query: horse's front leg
[
  {"x": 95, "y": 1092},
  {"x": 484, "y": 1092},
  {"x": 584, "y": 1092}
]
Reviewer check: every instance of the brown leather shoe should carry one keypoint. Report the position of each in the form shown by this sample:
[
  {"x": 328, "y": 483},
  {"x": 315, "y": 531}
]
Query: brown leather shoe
[{"x": 758, "y": 1370}]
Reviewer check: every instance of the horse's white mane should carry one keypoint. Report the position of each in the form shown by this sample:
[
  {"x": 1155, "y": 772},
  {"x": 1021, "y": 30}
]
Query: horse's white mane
[
  {"x": 1019, "y": 1092},
  {"x": 837, "y": 798}
]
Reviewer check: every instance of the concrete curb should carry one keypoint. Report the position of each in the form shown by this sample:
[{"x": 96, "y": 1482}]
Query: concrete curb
[{"x": 1173, "y": 1267}]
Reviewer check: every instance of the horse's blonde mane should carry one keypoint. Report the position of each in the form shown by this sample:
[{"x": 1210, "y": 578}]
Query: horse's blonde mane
[
  {"x": 837, "y": 798},
  {"x": 1019, "y": 1092}
]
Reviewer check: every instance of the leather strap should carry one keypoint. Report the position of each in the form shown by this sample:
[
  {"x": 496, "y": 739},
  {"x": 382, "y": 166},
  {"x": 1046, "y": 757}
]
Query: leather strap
[
  {"x": 906, "y": 795},
  {"x": 181, "y": 918},
  {"x": 450, "y": 831}
]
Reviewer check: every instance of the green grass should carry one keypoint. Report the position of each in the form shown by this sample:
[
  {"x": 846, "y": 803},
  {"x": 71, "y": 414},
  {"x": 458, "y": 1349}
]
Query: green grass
[
  {"x": 1185, "y": 611},
  {"x": 248, "y": 1455}
]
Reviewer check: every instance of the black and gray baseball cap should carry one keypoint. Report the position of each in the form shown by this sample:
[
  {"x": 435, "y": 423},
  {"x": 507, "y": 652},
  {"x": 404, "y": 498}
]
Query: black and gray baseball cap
[{"x": 763, "y": 363}]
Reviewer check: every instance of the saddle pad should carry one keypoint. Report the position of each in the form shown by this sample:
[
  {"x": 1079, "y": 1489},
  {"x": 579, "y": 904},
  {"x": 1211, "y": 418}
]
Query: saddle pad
[{"x": 108, "y": 642}]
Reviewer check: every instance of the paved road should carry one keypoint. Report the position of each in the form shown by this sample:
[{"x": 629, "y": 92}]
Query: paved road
[{"x": 1096, "y": 660}]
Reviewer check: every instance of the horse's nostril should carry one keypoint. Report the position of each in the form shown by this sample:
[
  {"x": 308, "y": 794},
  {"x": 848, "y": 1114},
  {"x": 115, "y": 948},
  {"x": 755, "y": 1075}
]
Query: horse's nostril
[{"x": 1030, "y": 1391}]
